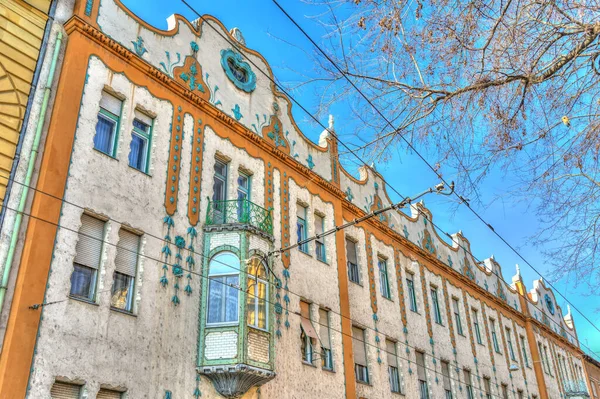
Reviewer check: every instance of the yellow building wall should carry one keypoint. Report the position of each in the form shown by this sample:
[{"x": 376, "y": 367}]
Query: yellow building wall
[{"x": 22, "y": 26}]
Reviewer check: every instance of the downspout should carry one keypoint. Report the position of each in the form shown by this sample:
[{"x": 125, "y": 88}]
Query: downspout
[{"x": 30, "y": 168}]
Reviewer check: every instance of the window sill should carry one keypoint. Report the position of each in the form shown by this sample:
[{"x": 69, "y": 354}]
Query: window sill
[
  {"x": 323, "y": 261},
  {"x": 84, "y": 300},
  {"x": 364, "y": 383},
  {"x": 106, "y": 154},
  {"x": 228, "y": 324},
  {"x": 415, "y": 311},
  {"x": 440, "y": 324},
  {"x": 140, "y": 171},
  {"x": 386, "y": 298},
  {"x": 123, "y": 311},
  {"x": 304, "y": 362},
  {"x": 398, "y": 393},
  {"x": 462, "y": 335},
  {"x": 332, "y": 371},
  {"x": 355, "y": 283}
]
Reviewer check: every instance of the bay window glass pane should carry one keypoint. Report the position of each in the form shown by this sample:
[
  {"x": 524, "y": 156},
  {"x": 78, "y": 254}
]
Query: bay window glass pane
[{"x": 262, "y": 305}]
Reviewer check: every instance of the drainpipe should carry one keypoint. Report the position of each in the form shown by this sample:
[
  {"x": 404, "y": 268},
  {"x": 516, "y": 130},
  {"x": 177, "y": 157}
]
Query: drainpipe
[{"x": 30, "y": 168}]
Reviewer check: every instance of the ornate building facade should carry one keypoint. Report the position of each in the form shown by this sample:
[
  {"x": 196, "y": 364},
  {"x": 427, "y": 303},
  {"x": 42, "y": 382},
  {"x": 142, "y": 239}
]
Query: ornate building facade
[{"x": 171, "y": 173}]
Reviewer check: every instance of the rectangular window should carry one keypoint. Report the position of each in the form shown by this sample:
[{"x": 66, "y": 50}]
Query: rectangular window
[
  {"x": 547, "y": 361},
  {"x": 422, "y": 376},
  {"x": 524, "y": 349},
  {"x": 468, "y": 385},
  {"x": 125, "y": 270},
  {"x": 301, "y": 227},
  {"x": 243, "y": 196},
  {"x": 594, "y": 391},
  {"x": 308, "y": 334},
  {"x": 519, "y": 394},
  {"x": 504, "y": 391},
  {"x": 104, "y": 393},
  {"x": 541, "y": 350},
  {"x": 219, "y": 192},
  {"x": 353, "y": 273},
  {"x": 63, "y": 390},
  {"x": 141, "y": 136},
  {"x": 87, "y": 258},
  {"x": 510, "y": 345},
  {"x": 393, "y": 374},
  {"x": 107, "y": 127},
  {"x": 456, "y": 307},
  {"x": 487, "y": 387},
  {"x": 412, "y": 296},
  {"x": 476, "y": 326},
  {"x": 383, "y": 277},
  {"x": 326, "y": 355},
  {"x": 446, "y": 380},
  {"x": 494, "y": 336},
  {"x": 360, "y": 355},
  {"x": 437, "y": 314},
  {"x": 320, "y": 241}
]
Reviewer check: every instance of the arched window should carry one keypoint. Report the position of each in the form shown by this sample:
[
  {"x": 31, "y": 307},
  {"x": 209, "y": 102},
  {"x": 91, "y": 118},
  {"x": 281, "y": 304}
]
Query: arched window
[
  {"x": 223, "y": 288},
  {"x": 257, "y": 294}
]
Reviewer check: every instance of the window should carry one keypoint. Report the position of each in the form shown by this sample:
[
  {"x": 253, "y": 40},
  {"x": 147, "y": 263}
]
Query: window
[
  {"x": 541, "y": 350},
  {"x": 547, "y": 361},
  {"x": 219, "y": 192},
  {"x": 139, "y": 149},
  {"x": 107, "y": 127},
  {"x": 125, "y": 270},
  {"x": 223, "y": 283},
  {"x": 422, "y": 376},
  {"x": 257, "y": 294},
  {"x": 476, "y": 326},
  {"x": 243, "y": 196},
  {"x": 437, "y": 314},
  {"x": 301, "y": 227},
  {"x": 504, "y": 391},
  {"x": 360, "y": 355},
  {"x": 510, "y": 345},
  {"x": 326, "y": 355},
  {"x": 494, "y": 337},
  {"x": 412, "y": 296},
  {"x": 524, "y": 349},
  {"x": 446, "y": 380},
  {"x": 104, "y": 393},
  {"x": 87, "y": 258},
  {"x": 353, "y": 273},
  {"x": 455, "y": 306},
  {"x": 594, "y": 391},
  {"x": 320, "y": 241},
  {"x": 468, "y": 385},
  {"x": 487, "y": 388},
  {"x": 392, "y": 358},
  {"x": 63, "y": 390},
  {"x": 308, "y": 335},
  {"x": 519, "y": 394},
  {"x": 383, "y": 277}
]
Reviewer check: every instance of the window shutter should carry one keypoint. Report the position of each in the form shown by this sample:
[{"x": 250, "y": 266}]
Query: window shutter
[
  {"x": 143, "y": 117},
  {"x": 318, "y": 224},
  {"x": 108, "y": 394},
  {"x": 111, "y": 103},
  {"x": 351, "y": 250},
  {"x": 301, "y": 211},
  {"x": 305, "y": 320},
  {"x": 390, "y": 347},
  {"x": 89, "y": 245},
  {"x": 127, "y": 256},
  {"x": 446, "y": 375},
  {"x": 421, "y": 366},
  {"x": 467, "y": 374},
  {"x": 324, "y": 328},
  {"x": 358, "y": 345},
  {"x": 63, "y": 390}
]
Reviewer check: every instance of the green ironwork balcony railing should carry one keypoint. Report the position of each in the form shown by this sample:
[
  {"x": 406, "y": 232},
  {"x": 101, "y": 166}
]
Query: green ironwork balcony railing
[
  {"x": 239, "y": 211},
  {"x": 576, "y": 389}
]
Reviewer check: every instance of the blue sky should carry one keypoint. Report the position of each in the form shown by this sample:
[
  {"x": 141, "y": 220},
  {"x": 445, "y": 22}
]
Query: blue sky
[{"x": 268, "y": 31}]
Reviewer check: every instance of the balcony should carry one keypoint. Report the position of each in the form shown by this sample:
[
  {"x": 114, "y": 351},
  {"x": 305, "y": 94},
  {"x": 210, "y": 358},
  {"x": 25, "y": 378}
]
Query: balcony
[
  {"x": 239, "y": 212},
  {"x": 576, "y": 389}
]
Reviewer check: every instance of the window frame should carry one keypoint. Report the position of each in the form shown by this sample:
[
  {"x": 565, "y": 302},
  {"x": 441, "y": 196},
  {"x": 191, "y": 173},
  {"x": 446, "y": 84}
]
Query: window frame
[
  {"x": 326, "y": 353},
  {"x": 320, "y": 249},
  {"x": 116, "y": 119},
  {"x": 361, "y": 370},
  {"x": 494, "y": 336},
  {"x": 476, "y": 326},
  {"x": 224, "y": 285},
  {"x": 510, "y": 345},
  {"x": 437, "y": 313},
  {"x": 353, "y": 268},
  {"x": 394, "y": 370},
  {"x": 93, "y": 285},
  {"x": 145, "y": 136},
  {"x": 468, "y": 384},
  {"x": 412, "y": 295},
  {"x": 384, "y": 282},
  {"x": 242, "y": 203},
  {"x": 457, "y": 320},
  {"x": 302, "y": 229}
]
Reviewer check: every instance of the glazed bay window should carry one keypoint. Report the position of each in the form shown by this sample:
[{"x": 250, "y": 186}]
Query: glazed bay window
[
  {"x": 223, "y": 289},
  {"x": 301, "y": 227},
  {"x": 446, "y": 380},
  {"x": 326, "y": 355},
  {"x": 412, "y": 296},
  {"x": 487, "y": 387},
  {"x": 353, "y": 273},
  {"x": 360, "y": 355},
  {"x": 456, "y": 308},
  {"x": 125, "y": 271},
  {"x": 257, "y": 294},
  {"x": 383, "y": 278},
  {"x": 393, "y": 374},
  {"x": 422, "y": 376},
  {"x": 141, "y": 136},
  {"x": 494, "y": 336},
  {"x": 308, "y": 336},
  {"x": 468, "y": 384},
  {"x": 107, "y": 127},
  {"x": 320, "y": 241},
  {"x": 476, "y": 326},
  {"x": 437, "y": 314},
  {"x": 87, "y": 258},
  {"x": 510, "y": 345}
]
